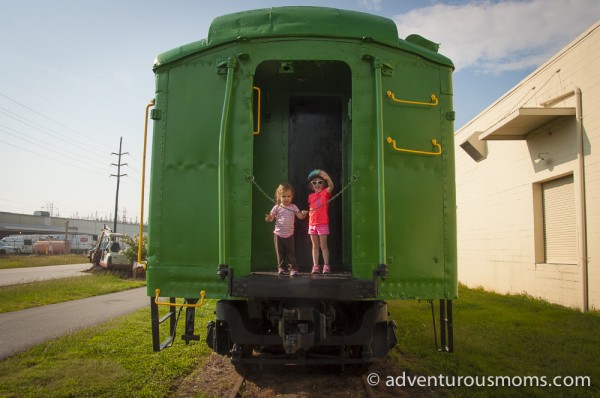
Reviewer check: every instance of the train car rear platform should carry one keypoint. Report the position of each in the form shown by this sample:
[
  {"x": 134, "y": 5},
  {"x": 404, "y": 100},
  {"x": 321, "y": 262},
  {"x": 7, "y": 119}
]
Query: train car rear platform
[{"x": 338, "y": 286}]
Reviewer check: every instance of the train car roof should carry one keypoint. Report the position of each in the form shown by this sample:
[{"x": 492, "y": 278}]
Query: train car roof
[{"x": 302, "y": 21}]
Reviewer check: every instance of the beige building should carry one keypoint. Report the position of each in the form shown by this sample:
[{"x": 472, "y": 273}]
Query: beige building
[
  {"x": 528, "y": 184},
  {"x": 15, "y": 224}
]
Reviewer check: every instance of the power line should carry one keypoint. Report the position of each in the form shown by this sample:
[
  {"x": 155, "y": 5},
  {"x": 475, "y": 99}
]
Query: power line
[
  {"x": 66, "y": 110},
  {"x": 48, "y": 157},
  {"x": 62, "y": 151},
  {"x": 45, "y": 117},
  {"x": 46, "y": 130},
  {"x": 87, "y": 147}
]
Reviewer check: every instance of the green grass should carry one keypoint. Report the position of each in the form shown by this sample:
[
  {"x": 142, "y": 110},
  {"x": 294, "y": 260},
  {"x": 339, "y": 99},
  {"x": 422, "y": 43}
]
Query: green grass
[
  {"x": 24, "y": 261},
  {"x": 27, "y": 295},
  {"x": 495, "y": 335},
  {"x": 498, "y": 335},
  {"x": 114, "y": 359}
]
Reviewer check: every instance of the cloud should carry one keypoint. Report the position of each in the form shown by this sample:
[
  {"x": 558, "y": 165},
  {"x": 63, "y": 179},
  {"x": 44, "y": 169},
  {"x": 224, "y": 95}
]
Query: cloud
[
  {"x": 370, "y": 4},
  {"x": 499, "y": 36}
]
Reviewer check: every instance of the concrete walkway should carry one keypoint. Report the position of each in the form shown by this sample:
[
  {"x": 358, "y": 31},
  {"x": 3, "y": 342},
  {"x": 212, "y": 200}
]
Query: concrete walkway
[
  {"x": 15, "y": 276},
  {"x": 20, "y": 330}
]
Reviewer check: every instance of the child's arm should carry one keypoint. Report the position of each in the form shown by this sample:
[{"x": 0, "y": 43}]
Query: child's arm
[
  {"x": 270, "y": 216},
  {"x": 302, "y": 215},
  {"x": 326, "y": 177}
]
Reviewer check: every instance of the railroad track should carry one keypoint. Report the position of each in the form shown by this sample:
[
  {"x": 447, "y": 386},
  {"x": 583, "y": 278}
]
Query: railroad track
[
  {"x": 259, "y": 384},
  {"x": 219, "y": 378}
]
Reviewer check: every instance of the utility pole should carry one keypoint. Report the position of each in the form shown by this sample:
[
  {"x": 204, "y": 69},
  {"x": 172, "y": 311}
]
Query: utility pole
[
  {"x": 50, "y": 208},
  {"x": 118, "y": 175}
]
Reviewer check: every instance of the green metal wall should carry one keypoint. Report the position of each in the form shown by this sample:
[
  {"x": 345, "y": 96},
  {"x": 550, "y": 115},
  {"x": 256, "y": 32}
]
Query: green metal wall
[{"x": 420, "y": 245}]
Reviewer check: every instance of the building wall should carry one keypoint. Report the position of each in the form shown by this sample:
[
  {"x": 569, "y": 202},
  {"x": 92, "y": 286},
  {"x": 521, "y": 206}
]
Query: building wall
[
  {"x": 498, "y": 198},
  {"x": 14, "y": 223}
]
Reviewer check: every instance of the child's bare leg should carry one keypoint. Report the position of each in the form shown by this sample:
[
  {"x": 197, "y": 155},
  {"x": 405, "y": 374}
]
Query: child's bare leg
[
  {"x": 324, "y": 248},
  {"x": 315, "y": 248},
  {"x": 315, "y": 254}
]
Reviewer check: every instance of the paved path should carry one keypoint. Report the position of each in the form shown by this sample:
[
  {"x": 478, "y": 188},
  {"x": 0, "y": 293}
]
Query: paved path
[
  {"x": 15, "y": 276},
  {"x": 20, "y": 330}
]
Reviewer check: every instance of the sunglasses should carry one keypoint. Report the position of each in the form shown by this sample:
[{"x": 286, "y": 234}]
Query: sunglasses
[{"x": 317, "y": 182}]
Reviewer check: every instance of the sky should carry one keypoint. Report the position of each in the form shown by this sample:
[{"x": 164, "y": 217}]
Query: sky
[{"x": 76, "y": 76}]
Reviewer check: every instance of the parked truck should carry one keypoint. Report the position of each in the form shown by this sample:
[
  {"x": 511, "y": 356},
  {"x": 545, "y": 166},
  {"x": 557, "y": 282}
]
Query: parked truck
[
  {"x": 23, "y": 243},
  {"x": 77, "y": 243}
]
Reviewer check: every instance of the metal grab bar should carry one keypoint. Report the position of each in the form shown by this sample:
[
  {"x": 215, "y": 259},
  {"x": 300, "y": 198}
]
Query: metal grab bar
[
  {"x": 202, "y": 294},
  {"x": 433, "y": 99},
  {"x": 231, "y": 65},
  {"x": 434, "y": 142},
  {"x": 139, "y": 256},
  {"x": 257, "y": 132},
  {"x": 382, "y": 249}
]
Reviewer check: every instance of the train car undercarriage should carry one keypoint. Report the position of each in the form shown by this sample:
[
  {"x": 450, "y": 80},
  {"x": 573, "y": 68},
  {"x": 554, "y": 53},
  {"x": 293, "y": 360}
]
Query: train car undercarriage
[
  {"x": 286, "y": 331},
  {"x": 305, "y": 320},
  {"x": 322, "y": 319}
]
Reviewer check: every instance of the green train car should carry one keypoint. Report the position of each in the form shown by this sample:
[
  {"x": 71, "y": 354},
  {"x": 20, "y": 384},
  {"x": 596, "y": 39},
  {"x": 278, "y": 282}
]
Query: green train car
[{"x": 270, "y": 95}]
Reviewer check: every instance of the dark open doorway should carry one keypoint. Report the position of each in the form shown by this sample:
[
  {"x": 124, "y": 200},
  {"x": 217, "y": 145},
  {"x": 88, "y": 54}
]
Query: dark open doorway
[
  {"x": 315, "y": 142},
  {"x": 305, "y": 125}
]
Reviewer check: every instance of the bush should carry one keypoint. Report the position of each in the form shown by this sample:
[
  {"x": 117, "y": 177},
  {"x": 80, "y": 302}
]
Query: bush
[{"x": 132, "y": 251}]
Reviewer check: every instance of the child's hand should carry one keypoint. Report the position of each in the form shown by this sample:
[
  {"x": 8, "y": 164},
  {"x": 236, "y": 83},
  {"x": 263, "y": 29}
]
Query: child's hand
[
  {"x": 302, "y": 214},
  {"x": 326, "y": 177},
  {"x": 269, "y": 217}
]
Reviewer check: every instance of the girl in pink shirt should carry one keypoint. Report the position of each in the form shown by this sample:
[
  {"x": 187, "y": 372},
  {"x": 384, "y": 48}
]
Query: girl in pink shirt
[{"x": 318, "y": 224}]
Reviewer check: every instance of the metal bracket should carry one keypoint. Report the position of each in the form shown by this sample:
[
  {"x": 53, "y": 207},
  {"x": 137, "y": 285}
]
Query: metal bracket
[
  {"x": 155, "y": 114},
  {"x": 381, "y": 271},
  {"x": 387, "y": 69},
  {"x": 223, "y": 63},
  {"x": 222, "y": 271},
  {"x": 244, "y": 48}
]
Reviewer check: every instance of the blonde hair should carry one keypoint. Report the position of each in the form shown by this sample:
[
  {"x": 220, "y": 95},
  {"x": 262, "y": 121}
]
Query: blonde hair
[{"x": 284, "y": 186}]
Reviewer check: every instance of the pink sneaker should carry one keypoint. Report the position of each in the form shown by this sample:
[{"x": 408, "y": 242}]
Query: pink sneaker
[
  {"x": 281, "y": 271},
  {"x": 326, "y": 269},
  {"x": 316, "y": 269},
  {"x": 293, "y": 272}
]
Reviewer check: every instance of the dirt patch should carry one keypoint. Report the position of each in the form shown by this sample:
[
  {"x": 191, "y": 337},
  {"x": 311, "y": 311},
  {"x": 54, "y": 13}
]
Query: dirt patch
[{"x": 218, "y": 377}]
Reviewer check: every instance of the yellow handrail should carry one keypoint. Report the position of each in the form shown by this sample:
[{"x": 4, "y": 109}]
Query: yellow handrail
[
  {"x": 257, "y": 132},
  {"x": 434, "y": 100},
  {"x": 202, "y": 294},
  {"x": 139, "y": 256},
  {"x": 434, "y": 142}
]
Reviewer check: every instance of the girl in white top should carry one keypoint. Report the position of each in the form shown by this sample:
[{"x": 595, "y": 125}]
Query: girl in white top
[{"x": 284, "y": 213}]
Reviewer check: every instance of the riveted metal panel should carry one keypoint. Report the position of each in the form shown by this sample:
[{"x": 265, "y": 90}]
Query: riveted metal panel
[{"x": 420, "y": 221}]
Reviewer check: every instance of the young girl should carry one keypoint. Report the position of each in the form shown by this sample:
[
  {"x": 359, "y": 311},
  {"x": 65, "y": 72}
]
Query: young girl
[
  {"x": 318, "y": 224},
  {"x": 284, "y": 214}
]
